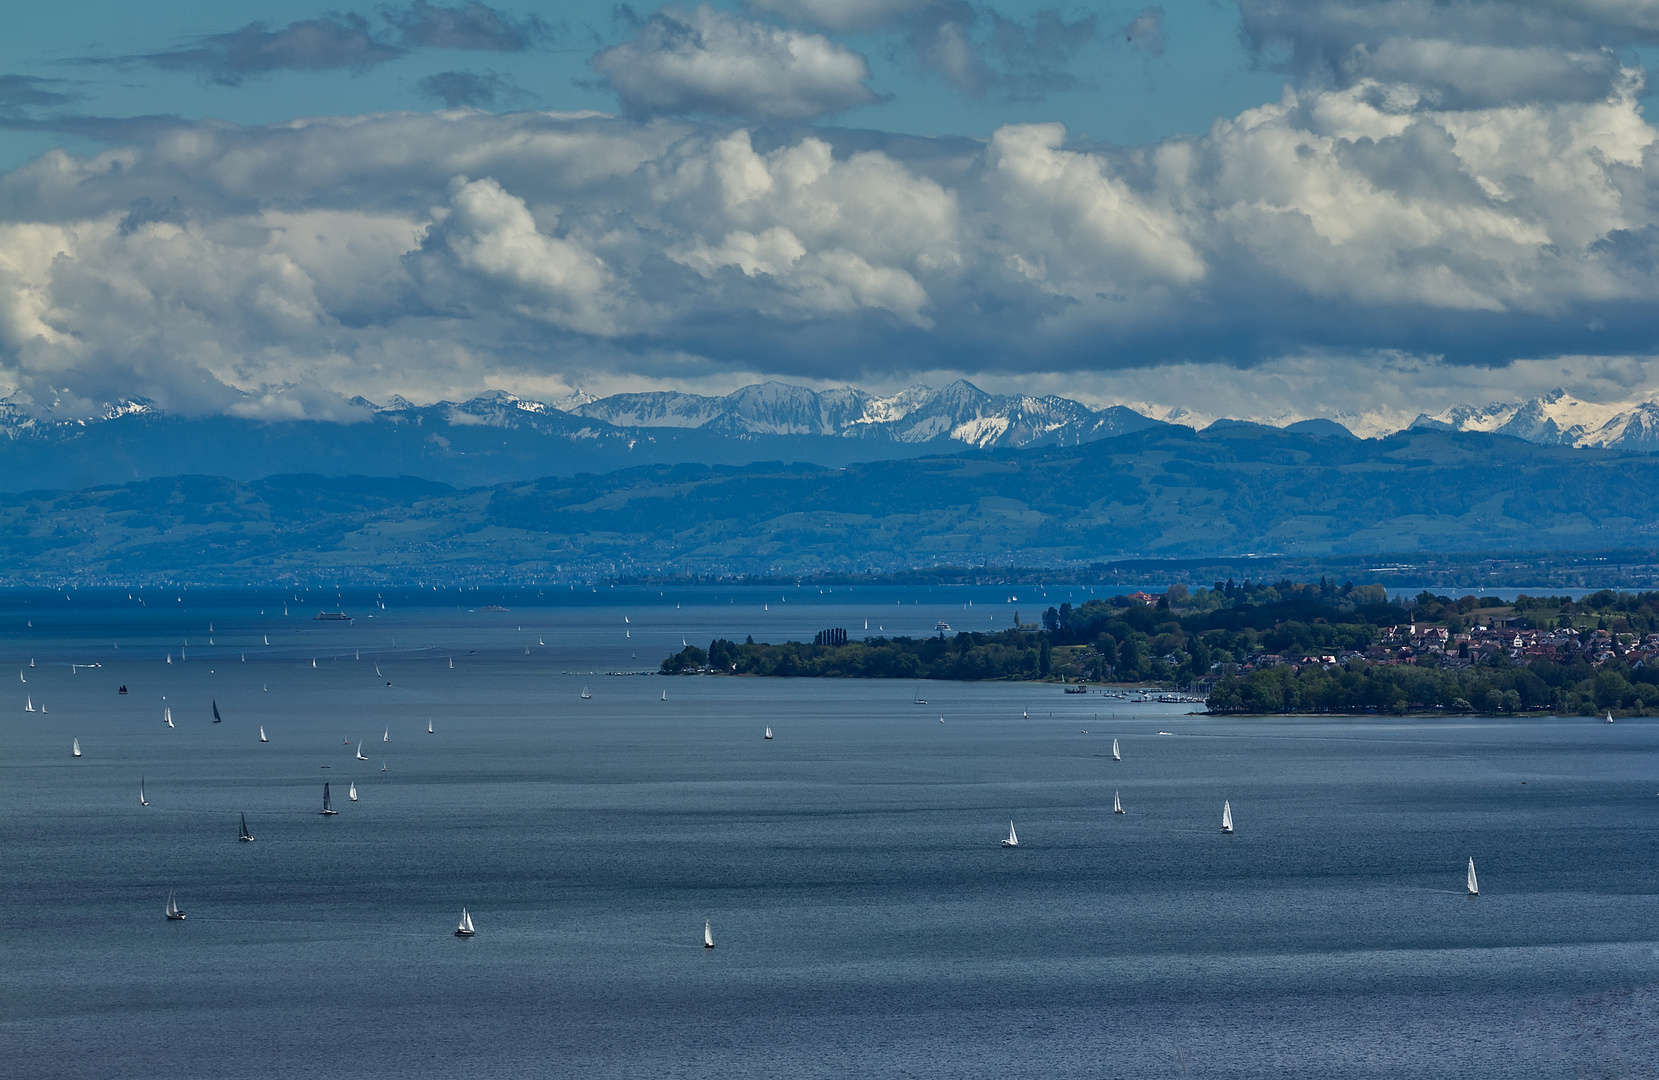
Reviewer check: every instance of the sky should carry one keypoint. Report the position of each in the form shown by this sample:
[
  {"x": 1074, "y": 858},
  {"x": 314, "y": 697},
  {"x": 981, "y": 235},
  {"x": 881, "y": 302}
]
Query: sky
[{"x": 1270, "y": 209}]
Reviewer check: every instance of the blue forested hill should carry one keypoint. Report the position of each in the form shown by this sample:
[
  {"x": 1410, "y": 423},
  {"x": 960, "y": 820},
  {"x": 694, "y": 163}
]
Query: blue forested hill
[{"x": 1164, "y": 491}]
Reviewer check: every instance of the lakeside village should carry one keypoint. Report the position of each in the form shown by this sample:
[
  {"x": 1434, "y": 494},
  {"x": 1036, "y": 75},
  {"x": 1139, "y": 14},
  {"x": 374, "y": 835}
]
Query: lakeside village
[{"x": 1282, "y": 648}]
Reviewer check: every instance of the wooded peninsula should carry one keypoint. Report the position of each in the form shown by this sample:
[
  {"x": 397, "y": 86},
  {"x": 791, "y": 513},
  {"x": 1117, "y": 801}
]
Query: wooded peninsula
[{"x": 1285, "y": 647}]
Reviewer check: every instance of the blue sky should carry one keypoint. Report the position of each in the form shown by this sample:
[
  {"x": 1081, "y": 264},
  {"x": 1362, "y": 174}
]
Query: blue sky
[
  {"x": 1282, "y": 208},
  {"x": 1123, "y": 94}
]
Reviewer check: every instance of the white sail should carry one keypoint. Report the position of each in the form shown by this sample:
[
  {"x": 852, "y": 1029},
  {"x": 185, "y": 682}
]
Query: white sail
[
  {"x": 452, "y": 663},
  {"x": 429, "y": 727},
  {"x": 262, "y": 737},
  {"x": 585, "y": 694},
  {"x": 708, "y": 935},
  {"x": 1013, "y": 838},
  {"x": 360, "y": 756},
  {"x": 167, "y": 715},
  {"x": 267, "y": 639},
  {"x": 465, "y": 928},
  {"x": 665, "y": 695},
  {"x": 142, "y": 801},
  {"x": 768, "y": 732},
  {"x": 1474, "y": 887},
  {"x": 28, "y": 703},
  {"x": 76, "y": 750},
  {"x": 1609, "y": 716},
  {"x": 352, "y": 794},
  {"x": 1117, "y": 804},
  {"x": 1115, "y": 755},
  {"x": 387, "y": 737},
  {"x": 1226, "y": 817}
]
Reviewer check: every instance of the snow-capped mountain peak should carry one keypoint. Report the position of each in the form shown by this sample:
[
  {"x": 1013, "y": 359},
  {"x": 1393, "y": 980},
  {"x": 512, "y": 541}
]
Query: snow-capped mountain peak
[{"x": 1557, "y": 419}]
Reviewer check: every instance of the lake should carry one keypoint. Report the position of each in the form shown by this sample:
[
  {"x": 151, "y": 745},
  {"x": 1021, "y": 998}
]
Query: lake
[{"x": 867, "y": 920}]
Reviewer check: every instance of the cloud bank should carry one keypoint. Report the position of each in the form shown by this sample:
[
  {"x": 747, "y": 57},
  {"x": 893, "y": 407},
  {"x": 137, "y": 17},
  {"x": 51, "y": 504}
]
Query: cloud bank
[{"x": 1399, "y": 201}]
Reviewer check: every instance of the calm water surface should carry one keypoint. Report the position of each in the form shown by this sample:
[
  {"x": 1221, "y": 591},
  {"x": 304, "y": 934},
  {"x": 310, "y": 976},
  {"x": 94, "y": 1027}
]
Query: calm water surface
[{"x": 867, "y": 921}]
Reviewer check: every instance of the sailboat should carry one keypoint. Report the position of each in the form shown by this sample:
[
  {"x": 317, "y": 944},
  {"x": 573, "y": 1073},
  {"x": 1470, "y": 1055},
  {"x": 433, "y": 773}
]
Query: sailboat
[
  {"x": 452, "y": 663},
  {"x": 539, "y": 641},
  {"x": 28, "y": 703},
  {"x": 429, "y": 727},
  {"x": 1226, "y": 816},
  {"x": 708, "y": 935},
  {"x": 585, "y": 694},
  {"x": 352, "y": 794},
  {"x": 142, "y": 801},
  {"x": 665, "y": 695},
  {"x": 1474, "y": 886},
  {"x": 768, "y": 733},
  {"x": 262, "y": 737},
  {"x": 328, "y": 803},
  {"x": 244, "y": 835},
  {"x": 167, "y": 715},
  {"x": 1025, "y": 714},
  {"x": 383, "y": 767},
  {"x": 267, "y": 639},
  {"x": 174, "y": 912},
  {"x": 1117, "y": 804},
  {"x": 465, "y": 929},
  {"x": 217, "y": 719},
  {"x": 1609, "y": 716},
  {"x": 1115, "y": 755},
  {"x": 360, "y": 756},
  {"x": 387, "y": 737},
  {"x": 377, "y": 671},
  {"x": 1013, "y": 840},
  {"x": 920, "y": 700},
  {"x": 75, "y": 751}
]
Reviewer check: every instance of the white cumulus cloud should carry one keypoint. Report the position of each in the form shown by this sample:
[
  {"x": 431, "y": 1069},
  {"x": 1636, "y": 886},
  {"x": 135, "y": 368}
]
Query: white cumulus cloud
[{"x": 707, "y": 61}]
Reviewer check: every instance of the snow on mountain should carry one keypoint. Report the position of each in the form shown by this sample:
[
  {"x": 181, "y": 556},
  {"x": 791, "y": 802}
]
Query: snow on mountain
[
  {"x": 961, "y": 412},
  {"x": 1556, "y": 419}
]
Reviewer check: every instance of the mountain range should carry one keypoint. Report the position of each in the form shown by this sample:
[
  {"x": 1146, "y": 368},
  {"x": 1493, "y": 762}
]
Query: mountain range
[
  {"x": 1163, "y": 492},
  {"x": 498, "y": 437},
  {"x": 1557, "y": 419}
]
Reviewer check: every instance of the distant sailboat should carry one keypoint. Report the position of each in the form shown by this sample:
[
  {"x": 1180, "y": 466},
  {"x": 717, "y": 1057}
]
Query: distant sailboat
[
  {"x": 216, "y": 717},
  {"x": 665, "y": 695},
  {"x": 1013, "y": 840},
  {"x": 1117, "y": 804},
  {"x": 313, "y": 661},
  {"x": 262, "y": 737},
  {"x": 768, "y": 733},
  {"x": 267, "y": 639},
  {"x": 452, "y": 663},
  {"x": 539, "y": 641},
  {"x": 31, "y": 661},
  {"x": 708, "y": 935},
  {"x": 1609, "y": 716},
  {"x": 352, "y": 793},
  {"x": 1226, "y": 817},
  {"x": 244, "y": 835},
  {"x": 1474, "y": 886},
  {"x": 383, "y": 767},
  {"x": 360, "y": 756},
  {"x": 377, "y": 670},
  {"x": 75, "y": 751},
  {"x": 167, "y": 715},
  {"x": 1115, "y": 755},
  {"x": 1025, "y": 714},
  {"x": 328, "y": 803},
  {"x": 142, "y": 801},
  {"x": 174, "y": 912},
  {"x": 28, "y": 703},
  {"x": 429, "y": 727},
  {"x": 387, "y": 737},
  {"x": 465, "y": 929},
  {"x": 585, "y": 694}
]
